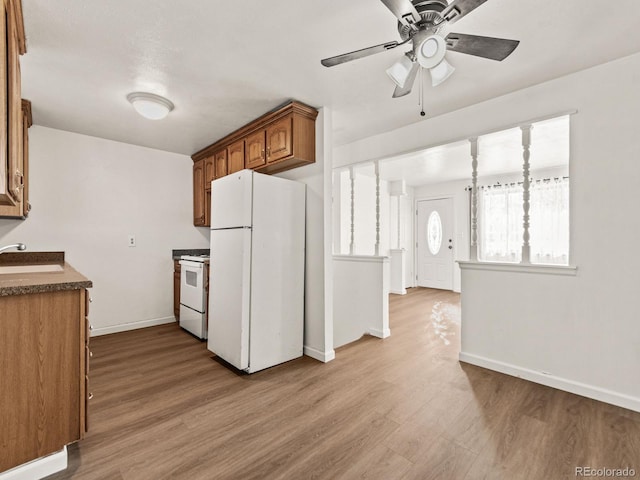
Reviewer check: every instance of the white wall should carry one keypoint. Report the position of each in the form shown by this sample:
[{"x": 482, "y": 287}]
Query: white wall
[
  {"x": 407, "y": 240},
  {"x": 88, "y": 194},
  {"x": 361, "y": 298},
  {"x": 318, "y": 327},
  {"x": 593, "y": 335}
]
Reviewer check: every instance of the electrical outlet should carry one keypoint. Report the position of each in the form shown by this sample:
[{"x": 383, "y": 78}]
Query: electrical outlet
[{"x": 132, "y": 241}]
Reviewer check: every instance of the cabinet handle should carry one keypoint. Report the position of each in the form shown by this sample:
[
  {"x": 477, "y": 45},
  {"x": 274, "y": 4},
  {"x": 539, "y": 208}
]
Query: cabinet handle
[
  {"x": 262, "y": 153},
  {"x": 268, "y": 152},
  {"x": 90, "y": 327},
  {"x": 90, "y": 299},
  {"x": 90, "y": 354},
  {"x": 90, "y": 396}
]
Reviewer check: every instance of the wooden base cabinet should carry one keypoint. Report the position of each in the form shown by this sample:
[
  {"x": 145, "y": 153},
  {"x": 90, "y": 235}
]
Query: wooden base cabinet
[
  {"x": 176, "y": 289},
  {"x": 44, "y": 355}
]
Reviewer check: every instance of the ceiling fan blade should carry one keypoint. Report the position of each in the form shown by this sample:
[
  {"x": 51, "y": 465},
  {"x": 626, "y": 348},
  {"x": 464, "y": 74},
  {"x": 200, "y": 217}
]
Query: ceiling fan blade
[
  {"x": 403, "y": 10},
  {"x": 486, "y": 47},
  {"x": 406, "y": 90},
  {"x": 365, "y": 52},
  {"x": 459, "y": 8}
]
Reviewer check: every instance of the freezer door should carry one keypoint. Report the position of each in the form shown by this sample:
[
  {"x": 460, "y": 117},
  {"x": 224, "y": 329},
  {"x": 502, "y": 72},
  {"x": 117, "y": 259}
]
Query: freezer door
[
  {"x": 231, "y": 200},
  {"x": 229, "y": 295}
]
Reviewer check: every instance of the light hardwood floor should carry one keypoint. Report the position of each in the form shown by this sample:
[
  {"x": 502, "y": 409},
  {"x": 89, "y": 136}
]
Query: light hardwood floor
[{"x": 399, "y": 408}]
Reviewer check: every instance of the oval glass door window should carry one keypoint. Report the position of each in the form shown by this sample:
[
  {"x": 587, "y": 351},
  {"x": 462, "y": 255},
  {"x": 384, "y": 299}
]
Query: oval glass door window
[{"x": 434, "y": 232}]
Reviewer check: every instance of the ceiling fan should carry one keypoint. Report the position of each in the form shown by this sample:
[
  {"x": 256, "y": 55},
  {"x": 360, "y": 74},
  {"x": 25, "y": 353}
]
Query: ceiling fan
[{"x": 420, "y": 22}]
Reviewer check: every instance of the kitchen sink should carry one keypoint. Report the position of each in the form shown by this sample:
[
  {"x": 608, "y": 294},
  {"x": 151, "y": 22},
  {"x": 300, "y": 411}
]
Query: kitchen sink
[{"x": 31, "y": 268}]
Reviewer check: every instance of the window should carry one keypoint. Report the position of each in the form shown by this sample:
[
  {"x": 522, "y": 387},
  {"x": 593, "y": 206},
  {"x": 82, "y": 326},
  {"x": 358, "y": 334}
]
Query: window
[
  {"x": 434, "y": 232},
  {"x": 549, "y": 221},
  {"x": 501, "y": 195},
  {"x": 500, "y": 224}
]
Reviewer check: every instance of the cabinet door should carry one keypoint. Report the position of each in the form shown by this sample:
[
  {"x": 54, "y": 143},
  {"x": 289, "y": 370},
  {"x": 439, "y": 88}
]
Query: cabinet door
[
  {"x": 254, "y": 150},
  {"x": 41, "y": 390},
  {"x": 207, "y": 207},
  {"x": 236, "y": 156},
  {"x": 221, "y": 163},
  {"x": 279, "y": 144},
  {"x": 209, "y": 171},
  {"x": 5, "y": 167},
  {"x": 198, "y": 193},
  {"x": 26, "y": 123},
  {"x": 15, "y": 111}
]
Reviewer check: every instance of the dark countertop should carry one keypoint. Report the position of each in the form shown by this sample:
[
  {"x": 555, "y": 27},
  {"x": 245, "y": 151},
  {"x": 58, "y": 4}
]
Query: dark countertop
[
  {"x": 189, "y": 251},
  {"x": 38, "y": 282}
]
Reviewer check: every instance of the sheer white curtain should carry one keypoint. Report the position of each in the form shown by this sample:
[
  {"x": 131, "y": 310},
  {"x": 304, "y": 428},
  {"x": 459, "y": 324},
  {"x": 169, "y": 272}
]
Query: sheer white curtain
[
  {"x": 500, "y": 223},
  {"x": 500, "y": 219},
  {"x": 549, "y": 221}
]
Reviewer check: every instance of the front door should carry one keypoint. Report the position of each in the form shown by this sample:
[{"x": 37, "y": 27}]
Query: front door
[{"x": 435, "y": 243}]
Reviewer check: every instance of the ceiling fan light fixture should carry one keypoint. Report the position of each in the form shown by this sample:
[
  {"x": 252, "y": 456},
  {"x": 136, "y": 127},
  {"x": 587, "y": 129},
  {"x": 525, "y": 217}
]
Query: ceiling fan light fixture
[
  {"x": 431, "y": 51},
  {"x": 399, "y": 71},
  {"x": 441, "y": 72},
  {"x": 149, "y": 105}
]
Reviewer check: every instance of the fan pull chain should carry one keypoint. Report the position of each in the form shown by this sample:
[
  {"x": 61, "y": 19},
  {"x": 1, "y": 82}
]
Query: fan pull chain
[{"x": 421, "y": 99}]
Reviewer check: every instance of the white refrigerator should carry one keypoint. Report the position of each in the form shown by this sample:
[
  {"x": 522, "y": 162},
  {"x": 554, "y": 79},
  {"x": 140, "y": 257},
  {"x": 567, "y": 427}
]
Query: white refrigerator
[{"x": 256, "y": 279}]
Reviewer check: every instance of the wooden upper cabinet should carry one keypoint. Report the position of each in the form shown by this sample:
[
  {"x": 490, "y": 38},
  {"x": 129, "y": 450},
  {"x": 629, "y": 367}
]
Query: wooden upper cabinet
[
  {"x": 15, "y": 113},
  {"x": 27, "y": 121},
  {"x": 15, "y": 116},
  {"x": 255, "y": 150},
  {"x": 221, "y": 163},
  {"x": 279, "y": 140},
  {"x": 279, "y": 135},
  {"x": 13, "y": 45},
  {"x": 235, "y": 154},
  {"x": 198, "y": 194},
  {"x": 209, "y": 171}
]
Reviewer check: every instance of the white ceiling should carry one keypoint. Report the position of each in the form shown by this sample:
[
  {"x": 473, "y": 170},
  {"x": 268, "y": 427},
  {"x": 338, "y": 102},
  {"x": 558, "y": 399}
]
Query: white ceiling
[
  {"x": 224, "y": 63},
  {"x": 499, "y": 153}
]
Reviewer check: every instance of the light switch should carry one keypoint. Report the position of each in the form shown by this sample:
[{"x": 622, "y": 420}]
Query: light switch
[{"x": 132, "y": 241}]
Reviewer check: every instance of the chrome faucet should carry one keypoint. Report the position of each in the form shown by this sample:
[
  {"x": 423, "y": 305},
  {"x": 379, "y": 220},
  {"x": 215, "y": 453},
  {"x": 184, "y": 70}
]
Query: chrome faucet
[{"x": 18, "y": 246}]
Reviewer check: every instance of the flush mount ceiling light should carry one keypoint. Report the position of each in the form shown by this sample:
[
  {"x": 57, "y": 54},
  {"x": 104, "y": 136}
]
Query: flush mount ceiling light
[{"x": 153, "y": 107}]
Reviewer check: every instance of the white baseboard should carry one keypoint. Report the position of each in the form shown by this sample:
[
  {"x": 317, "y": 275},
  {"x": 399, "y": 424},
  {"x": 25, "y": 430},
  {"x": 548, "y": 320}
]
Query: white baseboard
[
  {"x": 319, "y": 355},
  {"x": 376, "y": 332},
  {"x": 398, "y": 292},
  {"x": 585, "y": 390},
  {"x": 40, "y": 468},
  {"x": 125, "y": 327}
]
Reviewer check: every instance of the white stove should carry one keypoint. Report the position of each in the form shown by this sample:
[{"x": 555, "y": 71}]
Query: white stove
[
  {"x": 196, "y": 258},
  {"x": 193, "y": 294}
]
